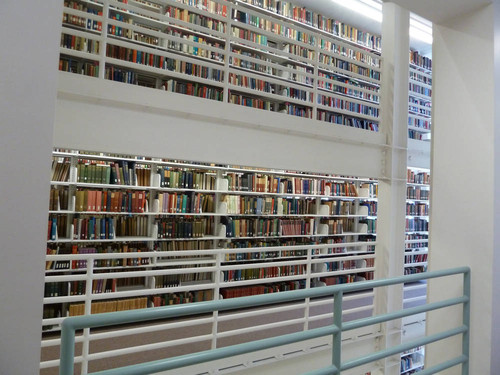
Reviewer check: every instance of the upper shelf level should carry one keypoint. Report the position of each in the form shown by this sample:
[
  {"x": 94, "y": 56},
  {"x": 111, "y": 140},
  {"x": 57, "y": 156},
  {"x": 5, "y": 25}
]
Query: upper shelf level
[{"x": 279, "y": 59}]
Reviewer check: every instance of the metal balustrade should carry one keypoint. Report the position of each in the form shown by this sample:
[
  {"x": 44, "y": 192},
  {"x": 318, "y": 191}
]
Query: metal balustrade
[{"x": 70, "y": 325}]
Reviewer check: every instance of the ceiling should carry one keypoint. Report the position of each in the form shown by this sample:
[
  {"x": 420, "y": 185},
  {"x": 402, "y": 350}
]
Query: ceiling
[{"x": 436, "y": 11}]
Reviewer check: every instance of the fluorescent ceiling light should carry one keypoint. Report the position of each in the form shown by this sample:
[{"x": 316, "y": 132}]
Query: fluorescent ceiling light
[
  {"x": 368, "y": 8},
  {"x": 420, "y": 28}
]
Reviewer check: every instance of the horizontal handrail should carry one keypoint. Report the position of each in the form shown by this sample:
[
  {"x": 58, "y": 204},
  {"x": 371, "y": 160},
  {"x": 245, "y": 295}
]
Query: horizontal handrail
[{"x": 70, "y": 325}]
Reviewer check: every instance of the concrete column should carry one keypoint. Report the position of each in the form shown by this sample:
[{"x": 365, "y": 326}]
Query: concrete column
[
  {"x": 392, "y": 189},
  {"x": 29, "y": 44},
  {"x": 465, "y": 184}
]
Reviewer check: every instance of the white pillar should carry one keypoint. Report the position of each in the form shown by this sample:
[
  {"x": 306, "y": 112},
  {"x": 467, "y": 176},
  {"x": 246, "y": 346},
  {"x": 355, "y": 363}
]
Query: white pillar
[
  {"x": 465, "y": 184},
  {"x": 392, "y": 190},
  {"x": 29, "y": 44},
  {"x": 495, "y": 315}
]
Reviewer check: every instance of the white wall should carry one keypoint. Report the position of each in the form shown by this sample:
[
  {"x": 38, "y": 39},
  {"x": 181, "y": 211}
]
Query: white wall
[
  {"x": 462, "y": 183},
  {"x": 28, "y": 69},
  {"x": 114, "y": 117}
]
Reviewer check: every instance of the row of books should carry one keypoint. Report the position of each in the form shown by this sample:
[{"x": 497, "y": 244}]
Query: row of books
[
  {"x": 252, "y": 83},
  {"x": 419, "y": 60},
  {"x": 183, "y": 245},
  {"x": 111, "y": 201},
  {"x": 207, "y": 5},
  {"x": 268, "y": 227},
  {"x": 349, "y": 91},
  {"x": 196, "y": 49},
  {"x": 182, "y": 297},
  {"x": 347, "y": 105},
  {"x": 268, "y": 206},
  {"x": 193, "y": 89},
  {"x": 57, "y": 227},
  {"x": 84, "y": 22},
  {"x": 419, "y": 123},
  {"x": 420, "y": 209},
  {"x": 266, "y": 254},
  {"x": 109, "y": 306},
  {"x": 413, "y": 134},
  {"x": 416, "y": 76},
  {"x": 60, "y": 169},
  {"x": 271, "y": 183},
  {"x": 184, "y": 203},
  {"x": 269, "y": 25},
  {"x": 414, "y": 270},
  {"x": 262, "y": 289},
  {"x": 345, "y": 279},
  {"x": 162, "y": 62},
  {"x": 99, "y": 286},
  {"x": 418, "y": 89},
  {"x": 79, "y": 43},
  {"x": 371, "y": 206},
  {"x": 416, "y": 192},
  {"x": 117, "y": 74},
  {"x": 55, "y": 289},
  {"x": 196, "y": 19},
  {"x": 177, "y": 178},
  {"x": 165, "y": 281},
  {"x": 95, "y": 228},
  {"x": 417, "y": 225},
  {"x": 185, "y": 227},
  {"x": 348, "y": 66},
  {"x": 348, "y": 264},
  {"x": 119, "y": 172},
  {"x": 419, "y": 111},
  {"x": 319, "y": 21},
  {"x": 417, "y": 258},
  {"x": 59, "y": 199},
  {"x": 263, "y": 272},
  {"x": 295, "y": 110},
  {"x": 250, "y": 102},
  {"x": 353, "y": 54},
  {"x": 418, "y": 177},
  {"x": 353, "y": 122},
  {"x": 291, "y": 92},
  {"x": 245, "y": 63}
]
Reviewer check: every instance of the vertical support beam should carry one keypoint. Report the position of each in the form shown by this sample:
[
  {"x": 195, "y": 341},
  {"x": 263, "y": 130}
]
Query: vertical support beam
[
  {"x": 337, "y": 337},
  {"x": 67, "y": 356},
  {"x": 28, "y": 91},
  {"x": 392, "y": 189},
  {"x": 495, "y": 314}
]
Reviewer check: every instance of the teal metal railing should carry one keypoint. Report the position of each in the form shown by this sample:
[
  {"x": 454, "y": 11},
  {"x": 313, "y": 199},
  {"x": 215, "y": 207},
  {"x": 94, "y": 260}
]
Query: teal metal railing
[{"x": 70, "y": 325}]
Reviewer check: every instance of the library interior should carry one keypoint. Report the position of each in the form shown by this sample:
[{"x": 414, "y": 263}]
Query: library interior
[{"x": 168, "y": 154}]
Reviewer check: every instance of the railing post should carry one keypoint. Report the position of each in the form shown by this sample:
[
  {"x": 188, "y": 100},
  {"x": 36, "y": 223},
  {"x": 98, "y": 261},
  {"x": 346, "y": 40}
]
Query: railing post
[
  {"x": 466, "y": 322},
  {"x": 67, "y": 350},
  {"x": 337, "y": 337}
]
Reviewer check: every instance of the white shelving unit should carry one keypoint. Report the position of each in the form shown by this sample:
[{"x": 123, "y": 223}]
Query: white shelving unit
[
  {"x": 416, "y": 251},
  {"x": 230, "y": 51},
  {"x": 417, "y": 220},
  {"x": 419, "y": 97},
  {"x": 265, "y": 231}
]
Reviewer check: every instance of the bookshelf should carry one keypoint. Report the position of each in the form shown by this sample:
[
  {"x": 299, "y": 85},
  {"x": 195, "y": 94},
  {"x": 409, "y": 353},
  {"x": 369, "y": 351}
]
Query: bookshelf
[
  {"x": 412, "y": 361},
  {"x": 419, "y": 97},
  {"x": 417, "y": 220},
  {"x": 127, "y": 232},
  {"x": 267, "y": 55}
]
